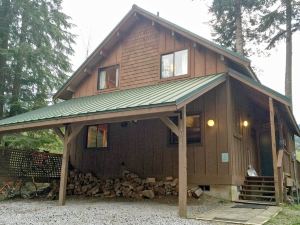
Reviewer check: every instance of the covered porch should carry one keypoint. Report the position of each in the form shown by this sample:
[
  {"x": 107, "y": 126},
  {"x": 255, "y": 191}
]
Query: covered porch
[
  {"x": 217, "y": 160},
  {"x": 154, "y": 102}
]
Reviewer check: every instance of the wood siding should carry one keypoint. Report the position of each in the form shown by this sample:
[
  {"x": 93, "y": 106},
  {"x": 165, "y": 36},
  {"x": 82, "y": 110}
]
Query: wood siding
[
  {"x": 138, "y": 54},
  {"x": 144, "y": 147},
  {"x": 245, "y": 139}
]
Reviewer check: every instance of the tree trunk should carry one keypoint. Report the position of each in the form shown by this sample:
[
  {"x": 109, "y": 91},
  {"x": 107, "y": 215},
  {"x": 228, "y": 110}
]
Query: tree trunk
[
  {"x": 288, "y": 62},
  {"x": 4, "y": 34},
  {"x": 239, "y": 42},
  {"x": 15, "y": 103}
]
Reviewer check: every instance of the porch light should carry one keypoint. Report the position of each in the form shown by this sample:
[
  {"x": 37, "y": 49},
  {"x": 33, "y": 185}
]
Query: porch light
[
  {"x": 245, "y": 123},
  {"x": 210, "y": 123}
]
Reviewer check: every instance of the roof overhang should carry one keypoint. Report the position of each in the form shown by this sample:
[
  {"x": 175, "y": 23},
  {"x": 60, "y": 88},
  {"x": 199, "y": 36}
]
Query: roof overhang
[
  {"x": 132, "y": 104},
  {"x": 107, "y": 117},
  {"x": 145, "y": 103},
  {"x": 281, "y": 99}
]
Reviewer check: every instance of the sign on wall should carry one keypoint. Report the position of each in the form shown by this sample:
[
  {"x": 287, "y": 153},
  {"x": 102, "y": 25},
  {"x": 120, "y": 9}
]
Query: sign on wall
[{"x": 225, "y": 157}]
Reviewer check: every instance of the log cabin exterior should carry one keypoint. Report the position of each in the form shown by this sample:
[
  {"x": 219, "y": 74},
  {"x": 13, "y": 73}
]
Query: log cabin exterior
[{"x": 166, "y": 102}]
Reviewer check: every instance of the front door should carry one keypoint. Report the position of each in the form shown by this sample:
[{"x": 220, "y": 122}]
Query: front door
[{"x": 266, "y": 163}]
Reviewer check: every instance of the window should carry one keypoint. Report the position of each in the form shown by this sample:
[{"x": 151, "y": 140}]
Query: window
[
  {"x": 174, "y": 64},
  {"x": 193, "y": 129},
  {"x": 108, "y": 77},
  {"x": 97, "y": 136}
]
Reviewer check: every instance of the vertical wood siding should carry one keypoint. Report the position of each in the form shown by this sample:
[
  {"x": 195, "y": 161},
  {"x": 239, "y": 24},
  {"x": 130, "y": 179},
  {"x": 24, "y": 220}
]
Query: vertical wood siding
[
  {"x": 245, "y": 149},
  {"x": 138, "y": 54},
  {"x": 144, "y": 147}
]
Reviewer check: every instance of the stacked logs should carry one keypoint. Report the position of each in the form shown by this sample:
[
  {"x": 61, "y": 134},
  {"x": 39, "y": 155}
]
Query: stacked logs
[{"x": 130, "y": 185}]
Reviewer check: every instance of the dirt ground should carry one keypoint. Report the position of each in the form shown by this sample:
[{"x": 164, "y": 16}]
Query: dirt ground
[{"x": 81, "y": 211}]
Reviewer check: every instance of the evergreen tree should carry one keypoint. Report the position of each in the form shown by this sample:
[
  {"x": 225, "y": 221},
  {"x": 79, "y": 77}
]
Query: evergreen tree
[
  {"x": 5, "y": 18},
  {"x": 35, "y": 52},
  {"x": 232, "y": 20},
  {"x": 35, "y": 45},
  {"x": 279, "y": 20}
]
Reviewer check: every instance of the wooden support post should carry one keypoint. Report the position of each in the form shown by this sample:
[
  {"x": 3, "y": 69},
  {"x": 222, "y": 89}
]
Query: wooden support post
[
  {"x": 59, "y": 133},
  {"x": 64, "y": 168},
  {"x": 182, "y": 164},
  {"x": 274, "y": 154},
  {"x": 65, "y": 161},
  {"x": 229, "y": 114}
]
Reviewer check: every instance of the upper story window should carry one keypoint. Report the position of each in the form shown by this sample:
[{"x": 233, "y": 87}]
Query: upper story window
[
  {"x": 174, "y": 64},
  {"x": 108, "y": 77}
]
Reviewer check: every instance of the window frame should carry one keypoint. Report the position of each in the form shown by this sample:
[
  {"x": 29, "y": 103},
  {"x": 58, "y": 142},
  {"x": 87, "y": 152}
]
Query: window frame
[
  {"x": 117, "y": 66},
  {"x": 97, "y": 148},
  {"x": 173, "y": 75},
  {"x": 170, "y": 133}
]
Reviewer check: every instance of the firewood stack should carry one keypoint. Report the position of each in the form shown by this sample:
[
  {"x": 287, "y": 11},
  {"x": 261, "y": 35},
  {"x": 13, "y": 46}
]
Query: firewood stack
[{"x": 129, "y": 185}]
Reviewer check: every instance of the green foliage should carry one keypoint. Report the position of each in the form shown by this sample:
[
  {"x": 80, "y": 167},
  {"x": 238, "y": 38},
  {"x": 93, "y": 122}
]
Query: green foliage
[
  {"x": 37, "y": 53},
  {"x": 273, "y": 17},
  {"x": 224, "y": 25},
  {"x": 41, "y": 140},
  {"x": 290, "y": 215},
  {"x": 35, "y": 45}
]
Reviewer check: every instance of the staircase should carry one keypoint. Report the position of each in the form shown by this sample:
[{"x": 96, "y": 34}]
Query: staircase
[{"x": 258, "y": 190}]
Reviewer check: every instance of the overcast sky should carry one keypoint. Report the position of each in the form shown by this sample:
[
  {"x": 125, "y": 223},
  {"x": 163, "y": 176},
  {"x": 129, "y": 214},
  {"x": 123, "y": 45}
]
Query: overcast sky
[{"x": 94, "y": 19}]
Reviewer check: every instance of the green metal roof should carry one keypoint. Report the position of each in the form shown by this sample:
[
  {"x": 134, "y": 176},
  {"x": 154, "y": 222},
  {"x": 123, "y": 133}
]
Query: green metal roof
[
  {"x": 162, "y": 94},
  {"x": 269, "y": 90}
]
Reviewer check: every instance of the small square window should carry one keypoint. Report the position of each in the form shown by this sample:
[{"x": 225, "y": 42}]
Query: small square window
[
  {"x": 108, "y": 77},
  {"x": 97, "y": 136},
  {"x": 174, "y": 64}
]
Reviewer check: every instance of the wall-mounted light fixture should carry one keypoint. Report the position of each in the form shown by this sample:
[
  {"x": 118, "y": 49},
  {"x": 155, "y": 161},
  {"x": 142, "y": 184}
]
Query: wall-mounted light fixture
[
  {"x": 210, "y": 123},
  {"x": 245, "y": 123}
]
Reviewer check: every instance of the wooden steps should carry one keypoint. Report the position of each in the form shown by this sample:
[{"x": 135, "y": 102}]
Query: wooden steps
[
  {"x": 258, "y": 189},
  {"x": 255, "y": 202}
]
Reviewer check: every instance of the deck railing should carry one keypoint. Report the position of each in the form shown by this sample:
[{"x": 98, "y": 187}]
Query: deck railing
[{"x": 285, "y": 169}]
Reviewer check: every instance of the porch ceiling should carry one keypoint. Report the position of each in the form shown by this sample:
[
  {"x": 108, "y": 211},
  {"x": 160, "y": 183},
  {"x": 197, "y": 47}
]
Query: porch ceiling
[{"x": 159, "y": 98}]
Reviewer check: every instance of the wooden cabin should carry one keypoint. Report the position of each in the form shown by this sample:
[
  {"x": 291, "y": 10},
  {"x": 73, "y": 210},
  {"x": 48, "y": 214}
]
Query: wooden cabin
[{"x": 167, "y": 102}]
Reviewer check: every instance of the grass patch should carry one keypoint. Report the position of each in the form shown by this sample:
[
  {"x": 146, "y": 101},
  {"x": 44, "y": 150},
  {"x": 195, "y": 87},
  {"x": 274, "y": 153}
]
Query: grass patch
[
  {"x": 298, "y": 154},
  {"x": 290, "y": 215}
]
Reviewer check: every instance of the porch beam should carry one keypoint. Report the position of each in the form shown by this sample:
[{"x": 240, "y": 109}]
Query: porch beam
[
  {"x": 169, "y": 123},
  {"x": 274, "y": 154},
  {"x": 59, "y": 133},
  {"x": 182, "y": 201},
  {"x": 145, "y": 113}
]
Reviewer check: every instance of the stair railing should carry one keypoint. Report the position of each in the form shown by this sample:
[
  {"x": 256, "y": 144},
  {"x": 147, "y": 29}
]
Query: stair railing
[{"x": 280, "y": 156}]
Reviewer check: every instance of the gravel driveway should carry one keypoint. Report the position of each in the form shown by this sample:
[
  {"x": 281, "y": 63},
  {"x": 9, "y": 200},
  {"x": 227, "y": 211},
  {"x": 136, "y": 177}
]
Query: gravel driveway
[{"x": 98, "y": 211}]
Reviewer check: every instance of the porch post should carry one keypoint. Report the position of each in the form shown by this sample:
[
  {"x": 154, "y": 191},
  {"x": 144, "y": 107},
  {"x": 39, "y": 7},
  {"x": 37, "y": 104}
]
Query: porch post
[
  {"x": 182, "y": 163},
  {"x": 274, "y": 154},
  {"x": 64, "y": 168}
]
